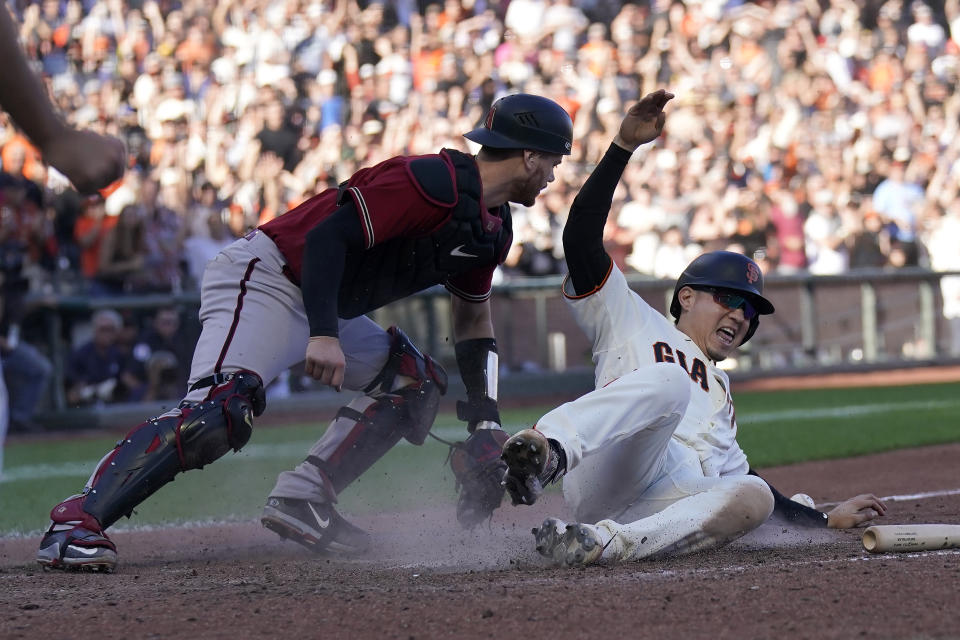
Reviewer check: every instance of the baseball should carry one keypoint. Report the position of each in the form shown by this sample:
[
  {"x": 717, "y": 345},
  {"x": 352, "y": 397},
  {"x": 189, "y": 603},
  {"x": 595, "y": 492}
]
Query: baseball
[{"x": 804, "y": 499}]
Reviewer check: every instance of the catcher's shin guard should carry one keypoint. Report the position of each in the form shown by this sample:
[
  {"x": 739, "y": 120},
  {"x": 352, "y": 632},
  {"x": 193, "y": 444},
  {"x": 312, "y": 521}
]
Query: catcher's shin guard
[
  {"x": 188, "y": 437},
  {"x": 401, "y": 402},
  {"x": 362, "y": 432}
]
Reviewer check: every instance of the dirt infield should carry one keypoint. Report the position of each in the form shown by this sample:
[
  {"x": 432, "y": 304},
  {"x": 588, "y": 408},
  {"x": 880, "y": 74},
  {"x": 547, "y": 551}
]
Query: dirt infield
[{"x": 428, "y": 579}]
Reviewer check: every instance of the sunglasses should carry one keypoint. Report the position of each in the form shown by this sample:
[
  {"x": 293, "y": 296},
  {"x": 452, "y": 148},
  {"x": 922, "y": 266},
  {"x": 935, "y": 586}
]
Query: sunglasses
[{"x": 731, "y": 301}]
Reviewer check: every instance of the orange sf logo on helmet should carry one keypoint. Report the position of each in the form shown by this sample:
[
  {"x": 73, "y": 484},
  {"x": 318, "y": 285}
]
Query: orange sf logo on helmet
[{"x": 753, "y": 273}]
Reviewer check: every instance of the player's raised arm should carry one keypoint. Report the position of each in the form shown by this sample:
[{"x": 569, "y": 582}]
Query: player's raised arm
[{"x": 587, "y": 260}]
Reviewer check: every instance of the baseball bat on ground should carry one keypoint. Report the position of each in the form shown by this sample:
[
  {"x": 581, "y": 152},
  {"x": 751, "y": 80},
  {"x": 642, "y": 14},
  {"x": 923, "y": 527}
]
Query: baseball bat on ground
[{"x": 911, "y": 537}]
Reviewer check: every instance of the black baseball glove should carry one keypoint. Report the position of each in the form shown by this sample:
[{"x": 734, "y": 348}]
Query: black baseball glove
[{"x": 479, "y": 469}]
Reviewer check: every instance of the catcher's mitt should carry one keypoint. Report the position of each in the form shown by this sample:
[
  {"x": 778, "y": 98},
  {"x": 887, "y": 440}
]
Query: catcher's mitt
[{"x": 479, "y": 470}]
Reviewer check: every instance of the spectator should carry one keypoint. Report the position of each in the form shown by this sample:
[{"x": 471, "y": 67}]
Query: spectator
[
  {"x": 898, "y": 199},
  {"x": 123, "y": 252},
  {"x": 278, "y": 135},
  {"x": 638, "y": 223},
  {"x": 164, "y": 356},
  {"x": 100, "y": 371},
  {"x": 532, "y": 252},
  {"x": 924, "y": 31},
  {"x": 944, "y": 256},
  {"x": 788, "y": 225},
  {"x": 89, "y": 231},
  {"x": 824, "y": 236},
  {"x": 201, "y": 248},
  {"x": 163, "y": 231},
  {"x": 867, "y": 243},
  {"x": 216, "y": 95},
  {"x": 672, "y": 255},
  {"x": 25, "y": 370}
]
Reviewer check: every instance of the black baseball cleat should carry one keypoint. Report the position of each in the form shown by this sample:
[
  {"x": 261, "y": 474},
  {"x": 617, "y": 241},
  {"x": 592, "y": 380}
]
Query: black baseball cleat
[{"x": 315, "y": 525}]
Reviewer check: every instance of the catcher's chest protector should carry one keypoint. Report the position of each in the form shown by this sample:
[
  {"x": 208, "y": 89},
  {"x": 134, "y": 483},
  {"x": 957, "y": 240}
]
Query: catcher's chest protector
[{"x": 470, "y": 238}]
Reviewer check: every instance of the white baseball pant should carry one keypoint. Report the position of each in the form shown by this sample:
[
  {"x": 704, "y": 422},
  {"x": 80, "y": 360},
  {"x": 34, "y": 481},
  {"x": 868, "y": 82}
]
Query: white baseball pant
[{"x": 644, "y": 489}]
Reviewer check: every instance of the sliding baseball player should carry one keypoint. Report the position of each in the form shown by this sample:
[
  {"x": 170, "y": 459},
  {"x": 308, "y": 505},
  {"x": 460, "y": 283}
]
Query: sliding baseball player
[{"x": 649, "y": 459}]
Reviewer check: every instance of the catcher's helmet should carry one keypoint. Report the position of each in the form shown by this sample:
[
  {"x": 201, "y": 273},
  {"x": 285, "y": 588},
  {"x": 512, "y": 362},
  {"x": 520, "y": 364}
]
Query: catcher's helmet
[
  {"x": 524, "y": 121},
  {"x": 725, "y": 270}
]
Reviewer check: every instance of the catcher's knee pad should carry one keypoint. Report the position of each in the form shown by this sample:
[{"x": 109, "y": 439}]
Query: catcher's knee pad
[
  {"x": 421, "y": 397},
  {"x": 184, "y": 438}
]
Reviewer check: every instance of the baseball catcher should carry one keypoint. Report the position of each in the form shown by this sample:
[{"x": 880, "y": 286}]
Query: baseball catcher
[
  {"x": 298, "y": 288},
  {"x": 649, "y": 459}
]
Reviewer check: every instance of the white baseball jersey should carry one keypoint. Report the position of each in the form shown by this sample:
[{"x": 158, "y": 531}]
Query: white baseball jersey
[
  {"x": 628, "y": 335},
  {"x": 652, "y": 451}
]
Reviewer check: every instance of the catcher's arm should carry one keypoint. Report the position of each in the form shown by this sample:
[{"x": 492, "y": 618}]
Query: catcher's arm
[
  {"x": 477, "y": 359},
  {"x": 324, "y": 257},
  {"x": 476, "y": 462}
]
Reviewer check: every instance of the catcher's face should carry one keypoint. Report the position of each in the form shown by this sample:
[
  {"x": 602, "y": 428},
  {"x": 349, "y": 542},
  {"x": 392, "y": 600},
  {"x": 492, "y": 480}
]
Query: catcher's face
[
  {"x": 717, "y": 329},
  {"x": 538, "y": 173}
]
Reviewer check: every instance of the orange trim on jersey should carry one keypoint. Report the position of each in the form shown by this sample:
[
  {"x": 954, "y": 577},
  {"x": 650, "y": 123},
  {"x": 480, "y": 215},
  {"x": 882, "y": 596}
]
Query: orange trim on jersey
[
  {"x": 588, "y": 293},
  {"x": 614, "y": 380}
]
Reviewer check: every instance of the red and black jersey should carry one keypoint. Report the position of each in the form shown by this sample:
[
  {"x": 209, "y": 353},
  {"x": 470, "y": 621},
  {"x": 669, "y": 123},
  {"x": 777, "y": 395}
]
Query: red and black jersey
[{"x": 424, "y": 223}]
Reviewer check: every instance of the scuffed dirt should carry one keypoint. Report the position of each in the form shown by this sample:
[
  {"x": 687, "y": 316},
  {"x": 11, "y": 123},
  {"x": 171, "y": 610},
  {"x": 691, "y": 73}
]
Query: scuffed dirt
[{"x": 429, "y": 579}]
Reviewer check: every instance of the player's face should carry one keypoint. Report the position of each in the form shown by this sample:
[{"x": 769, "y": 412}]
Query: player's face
[
  {"x": 539, "y": 173},
  {"x": 715, "y": 320}
]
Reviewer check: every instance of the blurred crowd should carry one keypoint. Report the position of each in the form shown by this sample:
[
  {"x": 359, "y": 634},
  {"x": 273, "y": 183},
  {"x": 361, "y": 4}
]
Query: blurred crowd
[{"x": 814, "y": 136}]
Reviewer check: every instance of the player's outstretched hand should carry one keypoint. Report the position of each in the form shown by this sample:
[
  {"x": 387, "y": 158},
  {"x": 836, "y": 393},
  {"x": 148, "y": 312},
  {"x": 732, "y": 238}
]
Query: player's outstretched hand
[
  {"x": 89, "y": 160},
  {"x": 644, "y": 120},
  {"x": 325, "y": 361},
  {"x": 855, "y": 511}
]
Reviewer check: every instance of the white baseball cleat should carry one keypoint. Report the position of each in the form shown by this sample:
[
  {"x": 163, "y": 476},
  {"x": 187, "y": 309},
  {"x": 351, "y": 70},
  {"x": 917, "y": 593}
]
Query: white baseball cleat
[{"x": 568, "y": 545}]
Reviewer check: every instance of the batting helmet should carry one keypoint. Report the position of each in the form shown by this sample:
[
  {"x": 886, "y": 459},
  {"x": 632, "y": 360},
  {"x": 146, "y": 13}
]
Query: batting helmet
[
  {"x": 725, "y": 270},
  {"x": 524, "y": 121}
]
